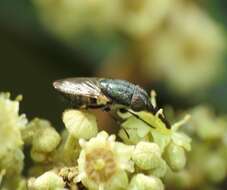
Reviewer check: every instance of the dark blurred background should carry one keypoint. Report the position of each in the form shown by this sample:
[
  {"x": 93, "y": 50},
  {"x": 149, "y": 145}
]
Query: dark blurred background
[{"x": 32, "y": 56}]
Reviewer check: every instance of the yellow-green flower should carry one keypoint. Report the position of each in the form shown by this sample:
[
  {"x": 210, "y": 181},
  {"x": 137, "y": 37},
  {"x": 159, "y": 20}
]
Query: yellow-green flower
[
  {"x": 138, "y": 130},
  {"x": 103, "y": 163}
]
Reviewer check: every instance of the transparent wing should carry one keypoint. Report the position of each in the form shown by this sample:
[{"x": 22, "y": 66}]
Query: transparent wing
[{"x": 79, "y": 86}]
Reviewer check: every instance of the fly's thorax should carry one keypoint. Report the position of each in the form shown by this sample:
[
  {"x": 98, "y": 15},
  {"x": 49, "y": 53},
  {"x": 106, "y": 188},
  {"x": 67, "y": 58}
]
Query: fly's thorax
[
  {"x": 126, "y": 93},
  {"x": 119, "y": 91}
]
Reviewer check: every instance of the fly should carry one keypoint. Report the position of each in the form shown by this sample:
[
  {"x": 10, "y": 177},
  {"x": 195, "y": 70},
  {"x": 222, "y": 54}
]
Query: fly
[{"x": 105, "y": 93}]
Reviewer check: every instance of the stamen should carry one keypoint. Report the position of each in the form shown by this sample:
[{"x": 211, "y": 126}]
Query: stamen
[
  {"x": 182, "y": 122},
  {"x": 153, "y": 98}
]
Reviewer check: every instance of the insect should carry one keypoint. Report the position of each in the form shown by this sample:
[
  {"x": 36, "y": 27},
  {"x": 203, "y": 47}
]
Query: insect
[{"x": 106, "y": 93}]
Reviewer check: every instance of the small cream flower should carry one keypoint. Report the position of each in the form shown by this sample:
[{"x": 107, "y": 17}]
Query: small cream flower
[{"x": 103, "y": 163}]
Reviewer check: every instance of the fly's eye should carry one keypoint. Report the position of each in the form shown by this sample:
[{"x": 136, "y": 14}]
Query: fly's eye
[
  {"x": 123, "y": 110},
  {"x": 123, "y": 113}
]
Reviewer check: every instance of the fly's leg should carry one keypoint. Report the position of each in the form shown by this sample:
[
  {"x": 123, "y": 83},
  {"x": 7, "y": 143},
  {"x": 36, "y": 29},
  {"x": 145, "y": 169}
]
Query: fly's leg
[
  {"x": 108, "y": 109},
  {"x": 161, "y": 116},
  {"x": 138, "y": 117}
]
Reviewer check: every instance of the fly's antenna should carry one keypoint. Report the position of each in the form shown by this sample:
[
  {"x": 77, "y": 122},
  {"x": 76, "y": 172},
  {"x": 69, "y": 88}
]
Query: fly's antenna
[
  {"x": 156, "y": 111},
  {"x": 153, "y": 99}
]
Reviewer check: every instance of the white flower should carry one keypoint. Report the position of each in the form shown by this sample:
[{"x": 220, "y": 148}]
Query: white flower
[{"x": 103, "y": 163}]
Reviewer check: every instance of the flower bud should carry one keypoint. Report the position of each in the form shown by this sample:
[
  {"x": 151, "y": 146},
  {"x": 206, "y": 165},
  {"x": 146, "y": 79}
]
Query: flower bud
[
  {"x": 143, "y": 182},
  {"x": 80, "y": 124},
  {"x": 46, "y": 138},
  {"x": 147, "y": 155},
  {"x": 175, "y": 156},
  {"x": 48, "y": 180},
  {"x": 160, "y": 171},
  {"x": 38, "y": 156}
]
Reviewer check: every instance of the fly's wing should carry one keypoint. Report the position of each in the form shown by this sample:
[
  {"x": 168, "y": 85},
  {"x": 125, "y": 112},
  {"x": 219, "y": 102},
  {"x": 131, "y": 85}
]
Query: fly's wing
[{"x": 88, "y": 87}]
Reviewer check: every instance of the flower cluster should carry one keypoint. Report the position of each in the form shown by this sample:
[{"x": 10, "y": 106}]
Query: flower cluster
[
  {"x": 81, "y": 157},
  {"x": 11, "y": 142},
  {"x": 207, "y": 161}
]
